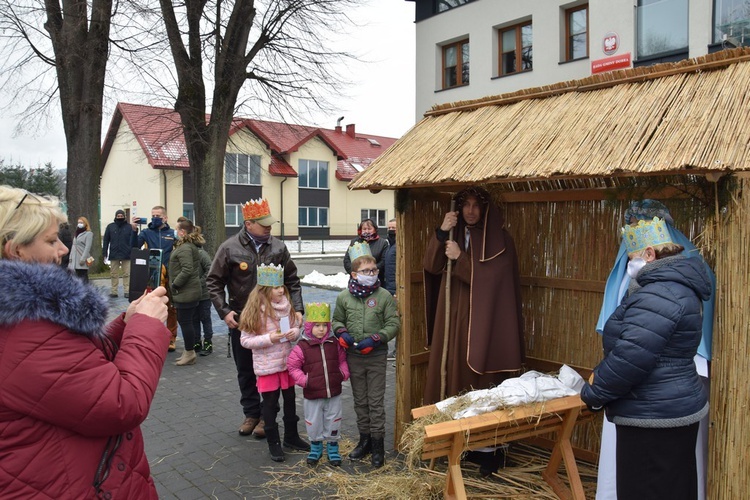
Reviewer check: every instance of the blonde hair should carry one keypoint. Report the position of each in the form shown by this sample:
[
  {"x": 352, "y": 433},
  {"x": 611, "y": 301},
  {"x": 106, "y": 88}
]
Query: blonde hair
[
  {"x": 362, "y": 259},
  {"x": 86, "y": 224},
  {"x": 257, "y": 308},
  {"x": 23, "y": 216}
]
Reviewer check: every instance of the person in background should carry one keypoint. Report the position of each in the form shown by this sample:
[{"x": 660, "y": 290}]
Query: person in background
[
  {"x": 318, "y": 364},
  {"x": 159, "y": 235},
  {"x": 185, "y": 272},
  {"x": 205, "y": 347},
  {"x": 74, "y": 389},
  {"x": 647, "y": 382},
  {"x": 389, "y": 267},
  {"x": 616, "y": 287},
  {"x": 66, "y": 237},
  {"x": 364, "y": 320},
  {"x": 233, "y": 272},
  {"x": 367, "y": 232},
  {"x": 80, "y": 253},
  {"x": 117, "y": 244},
  {"x": 269, "y": 326}
]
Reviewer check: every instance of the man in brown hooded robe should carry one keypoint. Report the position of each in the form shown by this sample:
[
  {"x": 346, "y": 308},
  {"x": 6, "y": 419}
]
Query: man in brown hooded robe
[{"x": 485, "y": 338}]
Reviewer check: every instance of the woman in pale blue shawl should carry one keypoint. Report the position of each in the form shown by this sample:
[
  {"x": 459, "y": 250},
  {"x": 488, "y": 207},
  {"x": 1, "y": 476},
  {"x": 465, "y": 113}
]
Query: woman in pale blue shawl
[{"x": 614, "y": 291}]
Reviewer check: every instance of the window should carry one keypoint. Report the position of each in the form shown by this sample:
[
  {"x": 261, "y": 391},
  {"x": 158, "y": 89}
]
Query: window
[
  {"x": 379, "y": 216},
  {"x": 313, "y": 174},
  {"x": 732, "y": 22},
  {"x": 242, "y": 169},
  {"x": 188, "y": 211},
  {"x": 313, "y": 217},
  {"x": 443, "y": 5},
  {"x": 515, "y": 49},
  {"x": 233, "y": 215},
  {"x": 662, "y": 26},
  {"x": 456, "y": 64},
  {"x": 576, "y": 33}
]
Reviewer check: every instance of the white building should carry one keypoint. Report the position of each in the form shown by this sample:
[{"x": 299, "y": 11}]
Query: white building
[{"x": 466, "y": 49}]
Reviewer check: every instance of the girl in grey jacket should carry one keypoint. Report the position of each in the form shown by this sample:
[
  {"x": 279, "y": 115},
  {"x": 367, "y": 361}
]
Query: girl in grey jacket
[{"x": 80, "y": 252}]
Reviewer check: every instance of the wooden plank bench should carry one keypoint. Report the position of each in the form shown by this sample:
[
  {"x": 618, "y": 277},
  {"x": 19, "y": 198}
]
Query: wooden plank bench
[{"x": 452, "y": 438}]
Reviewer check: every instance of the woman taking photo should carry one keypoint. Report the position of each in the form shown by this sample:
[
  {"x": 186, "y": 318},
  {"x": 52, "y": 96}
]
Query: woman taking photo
[
  {"x": 74, "y": 390},
  {"x": 81, "y": 249},
  {"x": 185, "y": 273},
  {"x": 647, "y": 382}
]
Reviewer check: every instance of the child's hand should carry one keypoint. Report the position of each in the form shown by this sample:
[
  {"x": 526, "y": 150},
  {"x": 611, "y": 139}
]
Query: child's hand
[
  {"x": 367, "y": 345},
  {"x": 276, "y": 337},
  {"x": 289, "y": 335}
]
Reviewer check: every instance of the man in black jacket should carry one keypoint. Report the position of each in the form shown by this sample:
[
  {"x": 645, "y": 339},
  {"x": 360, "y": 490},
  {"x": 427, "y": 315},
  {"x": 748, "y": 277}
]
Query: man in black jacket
[{"x": 119, "y": 239}]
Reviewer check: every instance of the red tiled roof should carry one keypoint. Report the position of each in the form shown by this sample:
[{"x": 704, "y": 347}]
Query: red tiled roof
[{"x": 159, "y": 133}]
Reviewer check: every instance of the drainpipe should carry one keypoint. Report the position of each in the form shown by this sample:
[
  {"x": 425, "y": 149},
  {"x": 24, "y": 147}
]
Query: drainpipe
[
  {"x": 281, "y": 217},
  {"x": 164, "y": 174}
]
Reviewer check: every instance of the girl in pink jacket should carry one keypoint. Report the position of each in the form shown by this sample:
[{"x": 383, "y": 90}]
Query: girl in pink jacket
[{"x": 269, "y": 326}]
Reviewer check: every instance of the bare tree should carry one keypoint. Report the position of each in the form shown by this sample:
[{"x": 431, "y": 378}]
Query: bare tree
[
  {"x": 272, "y": 52},
  {"x": 74, "y": 41}
]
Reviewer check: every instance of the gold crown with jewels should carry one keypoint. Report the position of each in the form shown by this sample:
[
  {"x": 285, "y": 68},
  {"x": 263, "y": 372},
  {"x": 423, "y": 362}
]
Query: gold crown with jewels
[
  {"x": 318, "y": 312},
  {"x": 270, "y": 275},
  {"x": 647, "y": 233}
]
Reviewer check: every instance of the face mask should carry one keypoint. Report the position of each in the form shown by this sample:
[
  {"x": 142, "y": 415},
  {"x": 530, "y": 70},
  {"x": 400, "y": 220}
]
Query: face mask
[
  {"x": 366, "y": 234},
  {"x": 635, "y": 265},
  {"x": 80, "y": 225},
  {"x": 119, "y": 220},
  {"x": 156, "y": 221},
  {"x": 366, "y": 280}
]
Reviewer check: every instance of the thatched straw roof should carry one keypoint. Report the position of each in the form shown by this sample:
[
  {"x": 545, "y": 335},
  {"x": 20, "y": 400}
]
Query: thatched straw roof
[{"x": 691, "y": 116}]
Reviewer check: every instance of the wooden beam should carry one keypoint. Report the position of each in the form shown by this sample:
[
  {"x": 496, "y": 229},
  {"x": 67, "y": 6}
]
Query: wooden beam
[{"x": 563, "y": 283}]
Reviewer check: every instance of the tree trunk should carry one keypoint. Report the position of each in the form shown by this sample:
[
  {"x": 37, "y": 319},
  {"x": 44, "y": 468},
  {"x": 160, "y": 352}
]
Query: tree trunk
[{"x": 81, "y": 53}]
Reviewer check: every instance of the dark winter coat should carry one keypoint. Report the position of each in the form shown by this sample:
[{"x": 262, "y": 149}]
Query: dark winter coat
[
  {"x": 162, "y": 238},
  {"x": 185, "y": 271},
  {"x": 68, "y": 403},
  {"x": 119, "y": 239},
  {"x": 67, "y": 239},
  {"x": 318, "y": 365},
  {"x": 647, "y": 377},
  {"x": 390, "y": 269}
]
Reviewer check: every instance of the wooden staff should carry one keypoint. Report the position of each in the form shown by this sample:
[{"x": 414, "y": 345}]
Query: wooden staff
[{"x": 444, "y": 357}]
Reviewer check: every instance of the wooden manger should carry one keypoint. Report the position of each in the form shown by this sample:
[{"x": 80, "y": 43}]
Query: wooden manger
[{"x": 450, "y": 439}]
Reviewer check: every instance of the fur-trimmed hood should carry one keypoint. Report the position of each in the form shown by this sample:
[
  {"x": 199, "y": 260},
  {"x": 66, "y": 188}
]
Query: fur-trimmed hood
[{"x": 47, "y": 292}]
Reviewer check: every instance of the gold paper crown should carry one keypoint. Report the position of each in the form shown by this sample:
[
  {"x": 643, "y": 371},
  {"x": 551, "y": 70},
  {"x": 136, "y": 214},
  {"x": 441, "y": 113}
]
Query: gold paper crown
[
  {"x": 358, "y": 250},
  {"x": 318, "y": 312},
  {"x": 256, "y": 209},
  {"x": 270, "y": 275},
  {"x": 647, "y": 233}
]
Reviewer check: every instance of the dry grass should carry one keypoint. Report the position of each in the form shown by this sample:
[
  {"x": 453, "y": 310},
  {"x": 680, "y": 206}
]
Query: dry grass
[{"x": 519, "y": 479}]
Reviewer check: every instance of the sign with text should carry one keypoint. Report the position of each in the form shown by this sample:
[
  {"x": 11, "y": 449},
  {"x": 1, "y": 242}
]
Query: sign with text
[{"x": 611, "y": 63}]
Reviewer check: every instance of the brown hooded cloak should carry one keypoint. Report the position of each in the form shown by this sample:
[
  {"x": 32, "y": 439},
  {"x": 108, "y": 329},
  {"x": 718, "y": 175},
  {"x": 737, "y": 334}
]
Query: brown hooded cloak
[{"x": 486, "y": 327}]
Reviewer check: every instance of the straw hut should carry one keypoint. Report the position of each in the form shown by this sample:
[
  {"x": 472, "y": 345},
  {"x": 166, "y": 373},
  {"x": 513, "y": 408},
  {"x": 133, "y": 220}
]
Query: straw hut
[{"x": 563, "y": 161}]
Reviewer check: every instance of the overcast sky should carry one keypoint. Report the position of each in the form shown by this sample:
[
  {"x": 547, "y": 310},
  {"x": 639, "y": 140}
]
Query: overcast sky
[{"x": 382, "y": 94}]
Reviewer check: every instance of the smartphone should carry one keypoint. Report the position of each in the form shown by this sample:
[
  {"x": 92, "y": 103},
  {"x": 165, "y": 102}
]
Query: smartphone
[{"x": 154, "y": 269}]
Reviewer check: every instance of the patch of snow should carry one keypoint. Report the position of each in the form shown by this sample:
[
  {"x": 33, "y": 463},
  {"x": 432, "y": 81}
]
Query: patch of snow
[{"x": 338, "y": 280}]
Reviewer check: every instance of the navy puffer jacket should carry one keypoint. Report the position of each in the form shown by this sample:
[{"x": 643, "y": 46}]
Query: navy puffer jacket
[{"x": 647, "y": 377}]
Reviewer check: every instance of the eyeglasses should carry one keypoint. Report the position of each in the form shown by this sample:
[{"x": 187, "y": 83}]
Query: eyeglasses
[{"x": 368, "y": 272}]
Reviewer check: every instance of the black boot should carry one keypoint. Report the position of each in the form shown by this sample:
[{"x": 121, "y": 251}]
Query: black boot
[
  {"x": 363, "y": 447},
  {"x": 274, "y": 444},
  {"x": 489, "y": 461},
  {"x": 291, "y": 436},
  {"x": 378, "y": 452}
]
